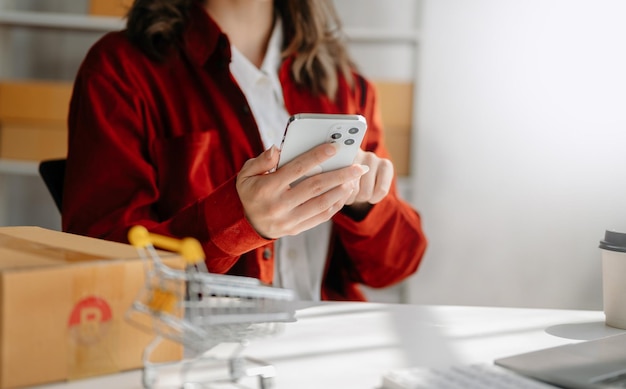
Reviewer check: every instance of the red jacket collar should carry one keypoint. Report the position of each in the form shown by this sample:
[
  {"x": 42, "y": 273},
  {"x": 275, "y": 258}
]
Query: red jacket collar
[{"x": 203, "y": 37}]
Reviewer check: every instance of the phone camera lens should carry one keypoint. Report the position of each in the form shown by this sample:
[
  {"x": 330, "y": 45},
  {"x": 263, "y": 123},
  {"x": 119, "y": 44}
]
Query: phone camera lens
[
  {"x": 349, "y": 142},
  {"x": 336, "y": 135},
  {"x": 353, "y": 130}
]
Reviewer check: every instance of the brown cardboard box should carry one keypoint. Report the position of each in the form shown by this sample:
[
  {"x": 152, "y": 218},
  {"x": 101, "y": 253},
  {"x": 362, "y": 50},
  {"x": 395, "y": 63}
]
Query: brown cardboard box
[
  {"x": 396, "y": 105},
  {"x": 32, "y": 140},
  {"x": 109, "y": 7},
  {"x": 398, "y": 141},
  {"x": 63, "y": 298},
  {"x": 33, "y": 117},
  {"x": 35, "y": 100}
]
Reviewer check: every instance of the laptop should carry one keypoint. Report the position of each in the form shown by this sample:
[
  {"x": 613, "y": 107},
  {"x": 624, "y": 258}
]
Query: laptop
[{"x": 593, "y": 364}]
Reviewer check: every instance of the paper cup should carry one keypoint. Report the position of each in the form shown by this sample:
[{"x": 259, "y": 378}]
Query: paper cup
[{"x": 613, "y": 249}]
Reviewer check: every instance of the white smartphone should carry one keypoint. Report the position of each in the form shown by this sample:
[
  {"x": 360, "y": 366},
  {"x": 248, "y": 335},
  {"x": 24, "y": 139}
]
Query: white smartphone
[{"x": 307, "y": 130}]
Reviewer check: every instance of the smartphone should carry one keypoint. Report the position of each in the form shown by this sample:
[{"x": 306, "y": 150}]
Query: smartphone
[{"x": 307, "y": 130}]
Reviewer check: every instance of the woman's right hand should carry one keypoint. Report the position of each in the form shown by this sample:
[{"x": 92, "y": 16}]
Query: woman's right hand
[{"x": 276, "y": 209}]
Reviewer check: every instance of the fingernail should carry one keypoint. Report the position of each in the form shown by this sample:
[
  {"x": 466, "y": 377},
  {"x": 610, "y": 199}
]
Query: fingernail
[
  {"x": 358, "y": 173},
  {"x": 365, "y": 168},
  {"x": 271, "y": 150},
  {"x": 331, "y": 149}
]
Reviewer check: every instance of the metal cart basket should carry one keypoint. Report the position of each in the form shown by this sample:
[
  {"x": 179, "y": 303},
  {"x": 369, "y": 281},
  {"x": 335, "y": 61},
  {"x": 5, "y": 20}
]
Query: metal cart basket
[{"x": 201, "y": 310}]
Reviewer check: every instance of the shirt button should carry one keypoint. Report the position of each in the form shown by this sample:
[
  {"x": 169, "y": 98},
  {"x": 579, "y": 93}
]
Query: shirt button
[{"x": 267, "y": 253}]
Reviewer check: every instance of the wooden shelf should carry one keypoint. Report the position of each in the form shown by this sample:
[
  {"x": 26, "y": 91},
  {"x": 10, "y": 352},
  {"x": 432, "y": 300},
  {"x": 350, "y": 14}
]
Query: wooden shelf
[
  {"x": 78, "y": 22},
  {"x": 371, "y": 35}
]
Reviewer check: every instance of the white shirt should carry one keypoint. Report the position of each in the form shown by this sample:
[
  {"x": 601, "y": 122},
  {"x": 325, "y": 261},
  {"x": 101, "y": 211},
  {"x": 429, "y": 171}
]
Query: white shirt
[{"x": 299, "y": 260}]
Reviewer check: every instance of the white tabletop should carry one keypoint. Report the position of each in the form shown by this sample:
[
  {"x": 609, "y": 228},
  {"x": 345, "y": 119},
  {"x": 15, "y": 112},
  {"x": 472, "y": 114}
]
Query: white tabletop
[{"x": 350, "y": 345}]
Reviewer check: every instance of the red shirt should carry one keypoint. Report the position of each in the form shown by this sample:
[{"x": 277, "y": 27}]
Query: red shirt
[{"x": 160, "y": 144}]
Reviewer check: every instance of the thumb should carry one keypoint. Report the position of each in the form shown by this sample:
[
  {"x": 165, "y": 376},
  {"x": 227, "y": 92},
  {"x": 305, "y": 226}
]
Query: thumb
[{"x": 265, "y": 162}]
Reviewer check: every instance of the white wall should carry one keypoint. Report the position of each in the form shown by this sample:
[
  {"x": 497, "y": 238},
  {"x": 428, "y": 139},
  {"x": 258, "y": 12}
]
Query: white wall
[
  {"x": 520, "y": 149},
  {"x": 390, "y": 59}
]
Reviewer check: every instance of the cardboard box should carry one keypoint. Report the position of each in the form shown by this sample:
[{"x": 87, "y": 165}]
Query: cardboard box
[
  {"x": 109, "y": 7},
  {"x": 396, "y": 105},
  {"x": 35, "y": 100},
  {"x": 398, "y": 141},
  {"x": 32, "y": 140},
  {"x": 63, "y": 298},
  {"x": 33, "y": 119}
]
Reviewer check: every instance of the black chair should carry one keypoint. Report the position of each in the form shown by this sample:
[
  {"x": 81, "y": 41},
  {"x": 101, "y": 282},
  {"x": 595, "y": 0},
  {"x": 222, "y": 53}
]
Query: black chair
[{"x": 52, "y": 171}]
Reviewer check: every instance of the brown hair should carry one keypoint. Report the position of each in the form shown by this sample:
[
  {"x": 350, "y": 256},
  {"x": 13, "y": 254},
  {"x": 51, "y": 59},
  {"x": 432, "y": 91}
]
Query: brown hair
[
  {"x": 157, "y": 25},
  {"x": 312, "y": 35}
]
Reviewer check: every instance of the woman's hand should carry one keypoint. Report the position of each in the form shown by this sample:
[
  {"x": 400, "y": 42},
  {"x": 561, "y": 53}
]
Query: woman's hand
[
  {"x": 276, "y": 209},
  {"x": 372, "y": 187}
]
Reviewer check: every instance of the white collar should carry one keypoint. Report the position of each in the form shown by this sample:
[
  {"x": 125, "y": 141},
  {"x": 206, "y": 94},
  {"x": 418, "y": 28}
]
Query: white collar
[{"x": 247, "y": 74}]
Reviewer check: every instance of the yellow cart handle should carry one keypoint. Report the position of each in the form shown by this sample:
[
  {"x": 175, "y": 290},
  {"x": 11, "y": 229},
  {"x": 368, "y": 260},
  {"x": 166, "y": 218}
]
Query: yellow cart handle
[{"x": 189, "y": 248}]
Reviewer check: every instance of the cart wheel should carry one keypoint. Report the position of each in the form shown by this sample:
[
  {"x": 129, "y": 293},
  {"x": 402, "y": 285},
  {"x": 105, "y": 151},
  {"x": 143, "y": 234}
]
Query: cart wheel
[
  {"x": 266, "y": 382},
  {"x": 148, "y": 378}
]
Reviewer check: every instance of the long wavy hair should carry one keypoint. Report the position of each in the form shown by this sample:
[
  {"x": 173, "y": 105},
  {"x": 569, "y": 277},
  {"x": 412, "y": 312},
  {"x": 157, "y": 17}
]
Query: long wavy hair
[{"x": 312, "y": 33}]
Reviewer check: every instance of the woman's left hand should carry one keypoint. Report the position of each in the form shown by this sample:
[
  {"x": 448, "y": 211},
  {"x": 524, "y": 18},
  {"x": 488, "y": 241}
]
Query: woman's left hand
[{"x": 374, "y": 185}]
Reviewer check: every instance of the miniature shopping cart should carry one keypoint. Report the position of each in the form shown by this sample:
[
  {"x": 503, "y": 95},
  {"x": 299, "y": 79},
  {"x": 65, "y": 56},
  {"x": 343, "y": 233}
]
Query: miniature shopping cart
[{"x": 201, "y": 310}]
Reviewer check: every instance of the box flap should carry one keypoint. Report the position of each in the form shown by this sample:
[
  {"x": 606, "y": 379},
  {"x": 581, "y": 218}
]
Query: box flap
[{"x": 27, "y": 247}]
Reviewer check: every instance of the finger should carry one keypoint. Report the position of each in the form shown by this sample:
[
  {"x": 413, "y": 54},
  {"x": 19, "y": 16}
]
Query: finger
[
  {"x": 321, "y": 183},
  {"x": 266, "y": 161},
  {"x": 360, "y": 157},
  {"x": 366, "y": 185},
  {"x": 356, "y": 185},
  {"x": 321, "y": 208},
  {"x": 306, "y": 162},
  {"x": 384, "y": 180}
]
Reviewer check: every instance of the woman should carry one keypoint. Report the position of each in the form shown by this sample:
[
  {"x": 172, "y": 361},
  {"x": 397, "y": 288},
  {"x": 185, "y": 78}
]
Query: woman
[{"x": 168, "y": 123}]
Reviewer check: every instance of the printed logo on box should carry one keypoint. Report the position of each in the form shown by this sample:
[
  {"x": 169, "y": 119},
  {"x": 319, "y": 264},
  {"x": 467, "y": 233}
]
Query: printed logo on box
[{"x": 90, "y": 320}]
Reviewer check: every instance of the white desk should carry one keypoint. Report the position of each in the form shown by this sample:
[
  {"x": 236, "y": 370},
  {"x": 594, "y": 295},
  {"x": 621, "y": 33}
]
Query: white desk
[{"x": 350, "y": 345}]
